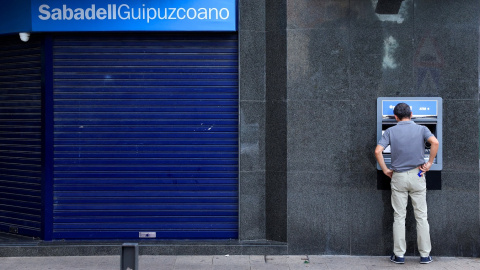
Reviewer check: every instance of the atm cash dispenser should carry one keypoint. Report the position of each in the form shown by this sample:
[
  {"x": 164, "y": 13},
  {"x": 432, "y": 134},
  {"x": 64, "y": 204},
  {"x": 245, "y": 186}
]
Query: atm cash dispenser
[{"x": 426, "y": 111}]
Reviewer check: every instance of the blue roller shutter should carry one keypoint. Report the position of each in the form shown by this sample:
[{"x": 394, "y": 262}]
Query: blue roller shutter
[
  {"x": 20, "y": 136},
  {"x": 146, "y": 136}
]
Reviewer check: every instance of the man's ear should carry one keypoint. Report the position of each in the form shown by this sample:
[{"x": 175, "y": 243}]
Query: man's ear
[{"x": 396, "y": 118}]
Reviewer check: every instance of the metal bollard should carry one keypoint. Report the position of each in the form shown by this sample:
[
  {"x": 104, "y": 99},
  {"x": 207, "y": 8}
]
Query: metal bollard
[{"x": 129, "y": 258}]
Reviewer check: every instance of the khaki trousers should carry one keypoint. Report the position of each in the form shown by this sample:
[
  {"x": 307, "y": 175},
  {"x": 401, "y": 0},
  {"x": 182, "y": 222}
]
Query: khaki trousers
[{"x": 404, "y": 184}]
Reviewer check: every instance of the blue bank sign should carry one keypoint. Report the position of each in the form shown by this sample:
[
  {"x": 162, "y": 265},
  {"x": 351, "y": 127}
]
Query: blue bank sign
[
  {"x": 129, "y": 15},
  {"x": 124, "y": 15}
]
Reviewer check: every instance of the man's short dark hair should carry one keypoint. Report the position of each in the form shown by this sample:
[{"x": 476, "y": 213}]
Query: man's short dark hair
[{"x": 402, "y": 110}]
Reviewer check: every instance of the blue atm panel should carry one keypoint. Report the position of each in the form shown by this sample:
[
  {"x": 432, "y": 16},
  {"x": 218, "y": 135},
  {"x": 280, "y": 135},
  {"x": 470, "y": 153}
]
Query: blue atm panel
[{"x": 427, "y": 111}]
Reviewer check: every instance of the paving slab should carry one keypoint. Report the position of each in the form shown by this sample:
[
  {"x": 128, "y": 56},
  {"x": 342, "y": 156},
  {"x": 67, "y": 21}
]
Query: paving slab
[
  {"x": 227, "y": 260},
  {"x": 150, "y": 262},
  {"x": 61, "y": 263}
]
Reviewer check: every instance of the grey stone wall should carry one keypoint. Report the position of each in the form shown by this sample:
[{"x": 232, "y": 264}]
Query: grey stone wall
[
  {"x": 252, "y": 119},
  {"x": 310, "y": 74}
]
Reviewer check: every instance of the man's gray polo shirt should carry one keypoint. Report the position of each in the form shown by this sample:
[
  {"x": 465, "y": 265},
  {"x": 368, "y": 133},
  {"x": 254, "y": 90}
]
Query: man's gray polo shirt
[{"x": 407, "y": 144}]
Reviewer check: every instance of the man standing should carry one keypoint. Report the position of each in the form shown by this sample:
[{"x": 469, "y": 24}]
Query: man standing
[{"x": 407, "y": 144}]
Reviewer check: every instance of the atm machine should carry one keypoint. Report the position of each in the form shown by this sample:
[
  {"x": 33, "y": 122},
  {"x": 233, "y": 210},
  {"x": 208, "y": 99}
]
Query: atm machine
[{"x": 426, "y": 111}]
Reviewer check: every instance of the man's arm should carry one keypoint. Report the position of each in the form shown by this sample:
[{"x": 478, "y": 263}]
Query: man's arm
[
  {"x": 433, "y": 153},
  {"x": 381, "y": 161}
]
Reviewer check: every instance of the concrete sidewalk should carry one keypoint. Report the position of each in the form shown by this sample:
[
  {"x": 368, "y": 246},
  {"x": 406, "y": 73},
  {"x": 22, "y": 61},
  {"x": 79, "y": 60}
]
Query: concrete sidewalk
[{"x": 234, "y": 262}]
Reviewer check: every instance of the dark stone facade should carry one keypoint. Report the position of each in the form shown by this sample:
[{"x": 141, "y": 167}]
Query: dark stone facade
[{"x": 310, "y": 74}]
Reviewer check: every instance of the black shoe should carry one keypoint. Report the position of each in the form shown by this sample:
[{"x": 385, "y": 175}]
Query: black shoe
[
  {"x": 396, "y": 259},
  {"x": 425, "y": 260}
]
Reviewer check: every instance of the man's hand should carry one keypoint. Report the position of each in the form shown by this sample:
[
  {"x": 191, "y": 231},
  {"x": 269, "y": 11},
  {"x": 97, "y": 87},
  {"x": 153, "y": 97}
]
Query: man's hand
[
  {"x": 388, "y": 172},
  {"x": 425, "y": 167}
]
